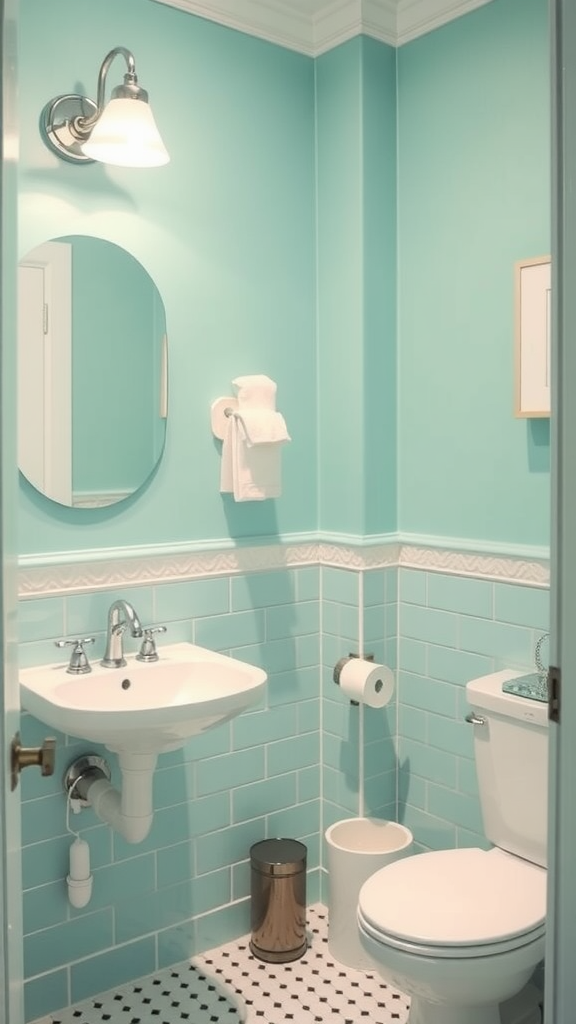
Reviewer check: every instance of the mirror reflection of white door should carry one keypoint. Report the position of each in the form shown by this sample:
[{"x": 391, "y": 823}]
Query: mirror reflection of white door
[{"x": 45, "y": 370}]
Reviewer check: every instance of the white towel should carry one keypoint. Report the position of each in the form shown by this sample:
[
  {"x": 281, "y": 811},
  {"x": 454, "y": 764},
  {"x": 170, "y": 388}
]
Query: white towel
[{"x": 252, "y": 442}]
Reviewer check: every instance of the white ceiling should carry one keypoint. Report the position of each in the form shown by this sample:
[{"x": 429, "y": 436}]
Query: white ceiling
[{"x": 314, "y": 26}]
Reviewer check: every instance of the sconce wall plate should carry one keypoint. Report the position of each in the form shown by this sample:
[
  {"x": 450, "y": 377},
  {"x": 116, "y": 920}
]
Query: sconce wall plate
[{"x": 55, "y": 122}]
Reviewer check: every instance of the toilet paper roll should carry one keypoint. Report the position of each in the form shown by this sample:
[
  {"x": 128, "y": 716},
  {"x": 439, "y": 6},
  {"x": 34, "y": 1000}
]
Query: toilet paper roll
[{"x": 367, "y": 682}]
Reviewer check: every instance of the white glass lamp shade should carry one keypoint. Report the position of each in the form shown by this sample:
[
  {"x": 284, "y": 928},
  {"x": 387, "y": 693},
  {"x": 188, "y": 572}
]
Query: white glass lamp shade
[{"x": 126, "y": 135}]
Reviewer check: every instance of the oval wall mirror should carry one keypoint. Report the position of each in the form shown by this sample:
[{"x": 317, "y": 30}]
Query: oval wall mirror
[{"x": 92, "y": 372}]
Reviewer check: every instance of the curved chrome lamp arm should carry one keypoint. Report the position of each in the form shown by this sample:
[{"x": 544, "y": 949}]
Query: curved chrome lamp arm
[
  {"x": 130, "y": 90},
  {"x": 67, "y": 121}
]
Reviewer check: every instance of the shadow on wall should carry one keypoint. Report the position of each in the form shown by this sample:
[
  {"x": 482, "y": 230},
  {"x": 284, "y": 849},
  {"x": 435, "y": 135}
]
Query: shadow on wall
[{"x": 538, "y": 444}]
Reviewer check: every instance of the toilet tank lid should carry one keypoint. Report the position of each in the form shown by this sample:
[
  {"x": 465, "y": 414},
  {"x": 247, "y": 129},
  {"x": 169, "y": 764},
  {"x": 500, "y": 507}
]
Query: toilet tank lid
[
  {"x": 486, "y": 694},
  {"x": 467, "y": 897}
]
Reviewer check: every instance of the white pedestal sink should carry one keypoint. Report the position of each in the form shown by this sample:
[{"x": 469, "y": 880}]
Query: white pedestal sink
[{"x": 140, "y": 711}]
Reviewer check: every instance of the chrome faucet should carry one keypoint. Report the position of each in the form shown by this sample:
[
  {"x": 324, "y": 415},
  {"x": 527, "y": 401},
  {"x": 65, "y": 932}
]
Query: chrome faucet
[{"x": 121, "y": 615}]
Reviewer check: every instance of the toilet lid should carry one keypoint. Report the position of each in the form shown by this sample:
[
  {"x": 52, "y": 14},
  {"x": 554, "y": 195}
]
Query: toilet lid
[{"x": 455, "y": 898}]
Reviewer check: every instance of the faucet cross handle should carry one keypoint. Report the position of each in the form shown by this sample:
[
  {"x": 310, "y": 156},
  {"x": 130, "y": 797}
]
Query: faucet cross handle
[
  {"x": 79, "y": 664},
  {"x": 148, "y": 650}
]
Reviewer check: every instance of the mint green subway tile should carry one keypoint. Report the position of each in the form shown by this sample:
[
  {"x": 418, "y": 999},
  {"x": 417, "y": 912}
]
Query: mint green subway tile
[
  {"x": 39, "y": 652},
  {"x": 44, "y": 818},
  {"x": 474, "y": 840},
  {"x": 412, "y": 655},
  {"x": 222, "y": 632},
  {"x": 428, "y": 762},
  {"x": 379, "y": 792},
  {"x": 467, "y": 777},
  {"x": 176, "y": 863},
  {"x": 290, "y": 687},
  {"x": 293, "y": 753},
  {"x": 263, "y": 797},
  {"x": 385, "y": 811},
  {"x": 380, "y": 723},
  {"x": 453, "y": 735},
  {"x": 391, "y": 621},
  {"x": 374, "y": 623},
  {"x": 179, "y": 943},
  {"x": 295, "y": 822},
  {"x": 294, "y": 620},
  {"x": 341, "y": 754},
  {"x": 391, "y": 586},
  {"x": 221, "y": 774},
  {"x": 262, "y": 589},
  {"x": 455, "y": 807},
  {"x": 460, "y": 594},
  {"x": 43, "y": 907},
  {"x": 229, "y": 845},
  {"x": 179, "y": 823},
  {"x": 332, "y": 647},
  {"x": 497, "y": 640},
  {"x": 192, "y": 599},
  {"x": 378, "y": 648},
  {"x": 272, "y": 656},
  {"x": 42, "y": 619},
  {"x": 341, "y": 620},
  {"x": 379, "y": 758},
  {"x": 307, "y": 650},
  {"x": 44, "y": 994},
  {"x": 308, "y": 714},
  {"x": 341, "y": 791},
  {"x": 117, "y": 967},
  {"x": 429, "y": 625},
  {"x": 173, "y": 785},
  {"x": 166, "y": 907},
  {"x": 413, "y": 723},
  {"x": 340, "y": 585},
  {"x": 430, "y": 832},
  {"x": 88, "y": 613},
  {"x": 207, "y": 744},
  {"x": 373, "y": 587},
  {"x": 412, "y": 789},
  {"x": 130, "y": 879},
  {"x": 336, "y": 715},
  {"x": 241, "y": 881},
  {"x": 412, "y": 586},
  {"x": 390, "y": 656},
  {"x": 308, "y": 781},
  {"x": 66, "y": 942},
  {"x": 457, "y": 666},
  {"x": 255, "y": 728},
  {"x": 428, "y": 694},
  {"x": 308, "y": 583},
  {"x": 523, "y": 606},
  {"x": 223, "y": 925}
]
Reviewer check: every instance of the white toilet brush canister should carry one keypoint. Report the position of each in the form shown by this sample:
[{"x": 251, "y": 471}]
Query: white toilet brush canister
[{"x": 357, "y": 847}]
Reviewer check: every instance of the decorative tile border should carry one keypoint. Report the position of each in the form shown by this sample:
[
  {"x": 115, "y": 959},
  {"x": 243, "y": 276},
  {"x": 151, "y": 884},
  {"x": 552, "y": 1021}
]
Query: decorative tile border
[{"x": 158, "y": 565}]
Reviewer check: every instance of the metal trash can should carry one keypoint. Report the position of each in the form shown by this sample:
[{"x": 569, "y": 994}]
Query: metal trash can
[{"x": 278, "y": 904}]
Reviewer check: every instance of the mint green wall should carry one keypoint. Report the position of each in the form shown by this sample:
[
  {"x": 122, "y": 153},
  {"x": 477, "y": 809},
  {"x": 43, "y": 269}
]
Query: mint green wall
[
  {"x": 473, "y": 197},
  {"x": 226, "y": 231},
  {"x": 356, "y": 188}
]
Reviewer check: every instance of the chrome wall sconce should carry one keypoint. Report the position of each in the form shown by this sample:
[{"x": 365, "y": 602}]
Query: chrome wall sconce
[{"x": 122, "y": 132}]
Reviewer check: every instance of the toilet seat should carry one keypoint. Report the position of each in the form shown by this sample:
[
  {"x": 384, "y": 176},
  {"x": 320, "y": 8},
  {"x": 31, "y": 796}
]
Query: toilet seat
[{"x": 455, "y": 903}]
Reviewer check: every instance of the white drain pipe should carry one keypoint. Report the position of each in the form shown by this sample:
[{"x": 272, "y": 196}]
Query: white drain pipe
[{"x": 130, "y": 811}]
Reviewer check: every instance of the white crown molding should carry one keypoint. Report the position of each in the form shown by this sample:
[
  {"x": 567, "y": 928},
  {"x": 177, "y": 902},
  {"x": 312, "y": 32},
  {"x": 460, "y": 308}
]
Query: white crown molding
[
  {"x": 334, "y": 22},
  {"x": 112, "y": 569},
  {"x": 417, "y": 17}
]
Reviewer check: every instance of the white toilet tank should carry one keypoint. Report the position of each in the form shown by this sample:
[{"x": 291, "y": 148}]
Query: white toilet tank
[{"x": 511, "y": 752}]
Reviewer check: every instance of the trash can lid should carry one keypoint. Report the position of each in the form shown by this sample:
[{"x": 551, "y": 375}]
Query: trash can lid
[{"x": 278, "y": 856}]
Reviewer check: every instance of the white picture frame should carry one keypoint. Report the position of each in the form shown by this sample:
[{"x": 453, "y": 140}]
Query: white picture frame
[{"x": 532, "y": 337}]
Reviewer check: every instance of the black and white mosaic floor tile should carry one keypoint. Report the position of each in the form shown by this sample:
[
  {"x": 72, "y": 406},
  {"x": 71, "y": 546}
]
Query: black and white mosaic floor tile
[{"x": 228, "y": 985}]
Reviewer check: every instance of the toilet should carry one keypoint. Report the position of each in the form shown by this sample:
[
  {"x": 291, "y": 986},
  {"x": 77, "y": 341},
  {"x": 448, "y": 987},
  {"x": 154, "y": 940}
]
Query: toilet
[{"x": 461, "y": 931}]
